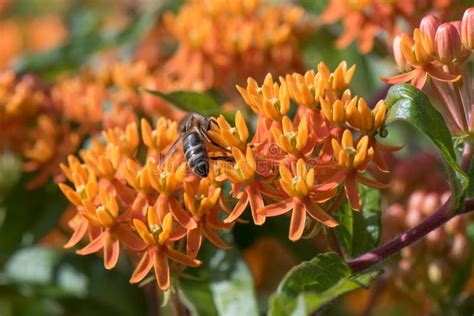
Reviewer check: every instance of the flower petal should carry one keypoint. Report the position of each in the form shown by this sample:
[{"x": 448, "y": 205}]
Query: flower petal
[
  {"x": 238, "y": 209},
  {"x": 142, "y": 269},
  {"x": 352, "y": 192},
  {"x": 214, "y": 238},
  {"x": 94, "y": 246},
  {"x": 111, "y": 251},
  {"x": 162, "y": 269},
  {"x": 278, "y": 208},
  {"x": 298, "y": 219},
  {"x": 193, "y": 242},
  {"x": 182, "y": 258}
]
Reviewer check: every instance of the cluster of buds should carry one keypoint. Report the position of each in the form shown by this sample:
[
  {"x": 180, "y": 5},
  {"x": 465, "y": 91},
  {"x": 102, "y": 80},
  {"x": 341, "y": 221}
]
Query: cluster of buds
[
  {"x": 136, "y": 191},
  {"x": 364, "y": 20},
  {"x": 425, "y": 263},
  {"x": 436, "y": 59},
  {"x": 218, "y": 39}
]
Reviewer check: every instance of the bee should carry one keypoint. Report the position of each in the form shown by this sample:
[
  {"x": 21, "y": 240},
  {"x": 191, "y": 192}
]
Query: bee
[{"x": 193, "y": 130}]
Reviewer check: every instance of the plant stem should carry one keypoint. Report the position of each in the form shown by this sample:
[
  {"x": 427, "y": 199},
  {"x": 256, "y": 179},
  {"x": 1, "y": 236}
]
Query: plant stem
[{"x": 441, "y": 216}]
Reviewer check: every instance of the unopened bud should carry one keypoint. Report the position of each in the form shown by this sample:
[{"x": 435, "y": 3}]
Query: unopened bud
[
  {"x": 416, "y": 200},
  {"x": 459, "y": 249},
  {"x": 430, "y": 204},
  {"x": 397, "y": 53},
  {"x": 467, "y": 28},
  {"x": 429, "y": 24},
  {"x": 448, "y": 43},
  {"x": 413, "y": 217}
]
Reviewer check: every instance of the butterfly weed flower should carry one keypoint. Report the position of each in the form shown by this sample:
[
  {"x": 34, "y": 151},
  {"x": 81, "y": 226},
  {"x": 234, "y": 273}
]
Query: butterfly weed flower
[
  {"x": 134, "y": 193},
  {"x": 158, "y": 237},
  {"x": 436, "y": 59},
  {"x": 303, "y": 196}
]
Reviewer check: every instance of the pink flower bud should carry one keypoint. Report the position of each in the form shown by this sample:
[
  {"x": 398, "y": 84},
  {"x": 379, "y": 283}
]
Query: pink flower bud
[
  {"x": 429, "y": 25},
  {"x": 467, "y": 28},
  {"x": 448, "y": 43},
  {"x": 397, "y": 53}
]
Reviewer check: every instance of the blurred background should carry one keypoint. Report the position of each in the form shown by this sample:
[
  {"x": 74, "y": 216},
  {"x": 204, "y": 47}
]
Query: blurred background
[{"x": 47, "y": 42}]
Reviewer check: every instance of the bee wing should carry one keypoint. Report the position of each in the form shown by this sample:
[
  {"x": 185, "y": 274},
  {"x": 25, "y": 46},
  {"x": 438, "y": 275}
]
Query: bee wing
[{"x": 170, "y": 151}]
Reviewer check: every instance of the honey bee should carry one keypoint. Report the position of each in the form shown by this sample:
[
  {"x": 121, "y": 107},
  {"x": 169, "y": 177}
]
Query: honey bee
[{"x": 193, "y": 130}]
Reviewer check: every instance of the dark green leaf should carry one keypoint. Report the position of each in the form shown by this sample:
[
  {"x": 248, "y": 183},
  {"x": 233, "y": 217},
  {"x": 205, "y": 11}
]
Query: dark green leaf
[
  {"x": 367, "y": 226},
  {"x": 409, "y": 104},
  {"x": 223, "y": 285},
  {"x": 311, "y": 284},
  {"x": 360, "y": 232},
  {"x": 190, "y": 101},
  {"x": 29, "y": 215}
]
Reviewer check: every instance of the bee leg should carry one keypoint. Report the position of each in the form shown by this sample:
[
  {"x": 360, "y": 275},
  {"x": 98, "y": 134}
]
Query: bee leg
[
  {"x": 224, "y": 158},
  {"x": 204, "y": 134}
]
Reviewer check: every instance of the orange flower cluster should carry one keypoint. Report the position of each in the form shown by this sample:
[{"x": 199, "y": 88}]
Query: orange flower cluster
[
  {"x": 364, "y": 20},
  {"x": 134, "y": 191},
  {"x": 43, "y": 124},
  {"x": 216, "y": 37},
  {"x": 438, "y": 54}
]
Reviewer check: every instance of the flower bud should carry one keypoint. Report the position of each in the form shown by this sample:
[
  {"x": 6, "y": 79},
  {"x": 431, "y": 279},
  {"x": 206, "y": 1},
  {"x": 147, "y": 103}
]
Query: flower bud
[
  {"x": 429, "y": 24},
  {"x": 467, "y": 28},
  {"x": 413, "y": 217},
  {"x": 415, "y": 200},
  {"x": 459, "y": 249},
  {"x": 430, "y": 203},
  {"x": 448, "y": 43},
  {"x": 397, "y": 53}
]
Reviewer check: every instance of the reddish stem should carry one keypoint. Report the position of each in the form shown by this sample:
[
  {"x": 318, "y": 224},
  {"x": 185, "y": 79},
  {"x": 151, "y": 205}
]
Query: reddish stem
[{"x": 440, "y": 217}]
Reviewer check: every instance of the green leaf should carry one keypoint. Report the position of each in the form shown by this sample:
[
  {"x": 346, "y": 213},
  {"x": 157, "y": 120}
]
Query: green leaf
[
  {"x": 311, "y": 284},
  {"x": 360, "y": 232},
  {"x": 223, "y": 285},
  {"x": 190, "y": 101},
  {"x": 409, "y": 104},
  {"x": 26, "y": 220}
]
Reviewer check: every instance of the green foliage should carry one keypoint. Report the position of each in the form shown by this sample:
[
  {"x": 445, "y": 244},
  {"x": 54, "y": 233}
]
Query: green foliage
[
  {"x": 29, "y": 215},
  {"x": 311, "y": 284},
  {"x": 190, "y": 101},
  {"x": 360, "y": 232},
  {"x": 86, "y": 39},
  {"x": 44, "y": 281},
  {"x": 223, "y": 285},
  {"x": 409, "y": 104}
]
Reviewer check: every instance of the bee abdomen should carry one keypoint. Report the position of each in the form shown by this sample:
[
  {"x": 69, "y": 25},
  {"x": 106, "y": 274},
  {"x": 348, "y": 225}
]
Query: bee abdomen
[{"x": 195, "y": 153}]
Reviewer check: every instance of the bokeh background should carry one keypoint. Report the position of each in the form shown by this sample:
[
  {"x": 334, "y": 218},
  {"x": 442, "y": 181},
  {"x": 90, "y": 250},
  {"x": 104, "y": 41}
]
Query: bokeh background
[{"x": 56, "y": 39}]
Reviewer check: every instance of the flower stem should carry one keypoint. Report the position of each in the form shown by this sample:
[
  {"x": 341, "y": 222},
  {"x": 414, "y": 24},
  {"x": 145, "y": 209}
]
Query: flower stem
[
  {"x": 438, "y": 218},
  {"x": 441, "y": 216}
]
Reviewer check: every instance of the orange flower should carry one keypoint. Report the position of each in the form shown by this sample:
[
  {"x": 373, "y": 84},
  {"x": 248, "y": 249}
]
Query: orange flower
[
  {"x": 201, "y": 200},
  {"x": 290, "y": 140},
  {"x": 243, "y": 176},
  {"x": 271, "y": 99},
  {"x": 354, "y": 161},
  {"x": 419, "y": 53},
  {"x": 162, "y": 136},
  {"x": 228, "y": 136},
  {"x": 158, "y": 236},
  {"x": 303, "y": 198},
  {"x": 363, "y": 119}
]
